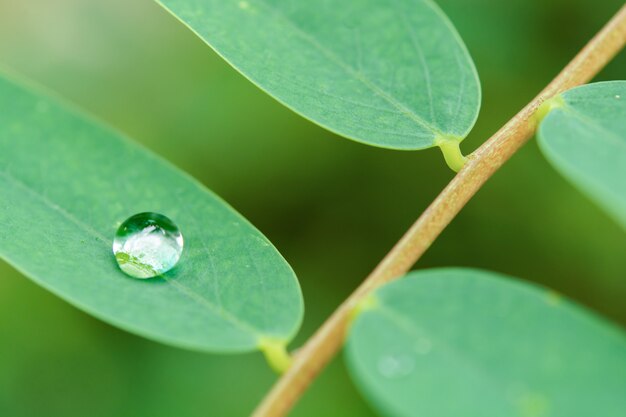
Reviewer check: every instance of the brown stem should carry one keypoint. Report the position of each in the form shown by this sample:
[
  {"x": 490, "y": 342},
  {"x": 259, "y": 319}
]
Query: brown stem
[{"x": 328, "y": 339}]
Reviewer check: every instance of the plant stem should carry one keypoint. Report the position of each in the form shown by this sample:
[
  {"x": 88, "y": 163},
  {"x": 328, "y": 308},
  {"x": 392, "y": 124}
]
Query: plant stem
[{"x": 481, "y": 165}]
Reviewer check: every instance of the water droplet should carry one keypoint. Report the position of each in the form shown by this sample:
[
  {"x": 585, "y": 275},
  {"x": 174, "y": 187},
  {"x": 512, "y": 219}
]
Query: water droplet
[
  {"x": 395, "y": 366},
  {"x": 617, "y": 96},
  {"x": 147, "y": 245}
]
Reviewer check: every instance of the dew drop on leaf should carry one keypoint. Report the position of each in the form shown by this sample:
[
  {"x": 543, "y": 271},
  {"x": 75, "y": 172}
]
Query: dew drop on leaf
[{"x": 147, "y": 245}]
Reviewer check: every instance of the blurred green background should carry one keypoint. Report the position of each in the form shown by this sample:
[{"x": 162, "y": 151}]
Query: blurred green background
[{"x": 333, "y": 207}]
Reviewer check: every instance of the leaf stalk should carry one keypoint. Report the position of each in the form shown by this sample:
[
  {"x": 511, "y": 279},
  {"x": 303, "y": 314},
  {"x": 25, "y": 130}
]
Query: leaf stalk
[
  {"x": 547, "y": 106},
  {"x": 276, "y": 354},
  {"x": 451, "y": 149}
]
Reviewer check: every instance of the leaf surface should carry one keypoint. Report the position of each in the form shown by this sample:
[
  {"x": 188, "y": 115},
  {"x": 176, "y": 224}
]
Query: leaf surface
[
  {"x": 66, "y": 183},
  {"x": 390, "y": 73},
  {"x": 461, "y": 342},
  {"x": 584, "y": 137}
]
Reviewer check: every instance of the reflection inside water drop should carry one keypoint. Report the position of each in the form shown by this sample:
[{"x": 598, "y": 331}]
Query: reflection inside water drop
[{"x": 147, "y": 245}]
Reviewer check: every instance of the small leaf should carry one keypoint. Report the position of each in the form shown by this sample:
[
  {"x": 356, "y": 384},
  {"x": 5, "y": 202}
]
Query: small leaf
[
  {"x": 462, "y": 342},
  {"x": 390, "y": 73},
  {"x": 584, "y": 137},
  {"x": 66, "y": 184}
]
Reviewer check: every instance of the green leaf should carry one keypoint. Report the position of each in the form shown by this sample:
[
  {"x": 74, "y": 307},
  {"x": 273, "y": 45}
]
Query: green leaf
[
  {"x": 584, "y": 136},
  {"x": 66, "y": 183},
  {"x": 390, "y": 73},
  {"x": 462, "y": 342}
]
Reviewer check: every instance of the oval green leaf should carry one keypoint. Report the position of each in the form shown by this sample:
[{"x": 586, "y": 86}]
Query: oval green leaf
[
  {"x": 389, "y": 73},
  {"x": 462, "y": 342},
  {"x": 584, "y": 137},
  {"x": 66, "y": 183}
]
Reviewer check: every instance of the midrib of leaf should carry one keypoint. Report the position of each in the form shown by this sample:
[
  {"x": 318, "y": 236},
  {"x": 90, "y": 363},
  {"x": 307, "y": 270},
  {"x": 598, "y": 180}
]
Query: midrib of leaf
[
  {"x": 219, "y": 311},
  {"x": 378, "y": 91}
]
